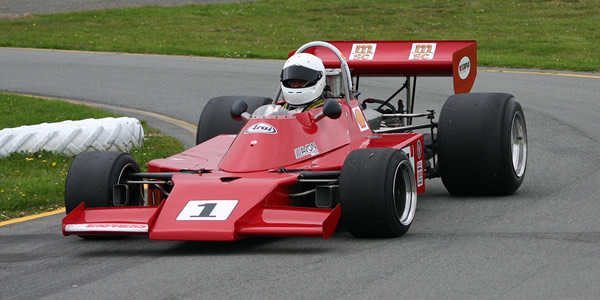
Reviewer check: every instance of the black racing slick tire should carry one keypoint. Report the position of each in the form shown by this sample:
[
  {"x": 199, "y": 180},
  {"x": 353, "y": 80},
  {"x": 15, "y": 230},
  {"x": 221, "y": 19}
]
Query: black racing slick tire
[
  {"x": 216, "y": 116},
  {"x": 92, "y": 176},
  {"x": 378, "y": 193},
  {"x": 482, "y": 144}
]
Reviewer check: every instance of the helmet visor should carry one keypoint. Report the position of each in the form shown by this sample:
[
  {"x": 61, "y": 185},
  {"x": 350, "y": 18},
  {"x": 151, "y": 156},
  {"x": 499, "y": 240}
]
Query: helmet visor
[{"x": 299, "y": 77}]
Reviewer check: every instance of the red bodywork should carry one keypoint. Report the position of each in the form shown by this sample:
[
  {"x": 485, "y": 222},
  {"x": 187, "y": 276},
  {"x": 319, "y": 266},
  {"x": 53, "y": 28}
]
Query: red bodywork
[{"x": 243, "y": 194}]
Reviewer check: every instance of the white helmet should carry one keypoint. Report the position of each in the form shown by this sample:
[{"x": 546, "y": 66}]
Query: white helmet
[{"x": 302, "y": 79}]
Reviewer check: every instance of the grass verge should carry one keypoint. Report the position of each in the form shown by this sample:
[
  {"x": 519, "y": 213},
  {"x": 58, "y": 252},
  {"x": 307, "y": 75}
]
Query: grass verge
[
  {"x": 561, "y": 35},
  {"x": 35, "y": 183}
]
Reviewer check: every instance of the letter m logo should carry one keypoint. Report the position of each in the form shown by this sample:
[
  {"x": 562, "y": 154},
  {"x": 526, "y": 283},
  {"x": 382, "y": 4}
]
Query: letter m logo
[
  {"x": 420, "y": 51},
  {"x": 363, "y": 51}
]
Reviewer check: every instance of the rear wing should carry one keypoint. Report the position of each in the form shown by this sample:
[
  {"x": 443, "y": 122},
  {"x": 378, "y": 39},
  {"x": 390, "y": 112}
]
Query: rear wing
[{"x": 407, "y": 58}]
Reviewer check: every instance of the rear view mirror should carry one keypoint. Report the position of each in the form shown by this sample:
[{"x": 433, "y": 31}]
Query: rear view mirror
[
  {"x": 332, "y": 109},
  {"x": 238, "y": 110}
]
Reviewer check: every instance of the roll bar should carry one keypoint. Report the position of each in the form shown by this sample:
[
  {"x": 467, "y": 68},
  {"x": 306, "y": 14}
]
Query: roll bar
[{"x": 346, "y": 77}]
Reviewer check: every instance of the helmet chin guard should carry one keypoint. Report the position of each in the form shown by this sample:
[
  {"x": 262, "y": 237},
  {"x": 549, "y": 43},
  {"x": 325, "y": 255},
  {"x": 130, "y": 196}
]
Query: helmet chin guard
[{"x": 302, "y": 79}]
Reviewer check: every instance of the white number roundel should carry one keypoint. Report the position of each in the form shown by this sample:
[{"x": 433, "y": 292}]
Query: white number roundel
[{"x": 207, "y": 210}]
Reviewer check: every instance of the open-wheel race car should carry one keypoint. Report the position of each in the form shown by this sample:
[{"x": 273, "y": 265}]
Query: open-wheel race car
[{"x": 262, "y": 169}]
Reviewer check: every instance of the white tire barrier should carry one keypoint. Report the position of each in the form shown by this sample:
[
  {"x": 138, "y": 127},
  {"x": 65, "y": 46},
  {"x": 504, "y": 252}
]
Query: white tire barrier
[{"x": 73, "y": 137}]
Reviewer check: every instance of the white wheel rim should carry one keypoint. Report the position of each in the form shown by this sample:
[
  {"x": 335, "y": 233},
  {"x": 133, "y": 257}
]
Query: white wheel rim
[
  {"x": 518, "y": 144},
  {"x": 132, "y": 167},
  {"x": 126, "y": 167},
  {"x": 405, "y": 190}
]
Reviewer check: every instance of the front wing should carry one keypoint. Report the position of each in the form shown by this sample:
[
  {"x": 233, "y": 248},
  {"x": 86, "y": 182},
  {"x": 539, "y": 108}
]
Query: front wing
[{"x": 206, "y": 207}]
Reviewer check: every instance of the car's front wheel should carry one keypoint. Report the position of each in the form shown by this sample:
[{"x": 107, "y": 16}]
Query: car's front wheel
[
  {"x": 378, "y": 193},
  {"x": 92, "y": 176}
]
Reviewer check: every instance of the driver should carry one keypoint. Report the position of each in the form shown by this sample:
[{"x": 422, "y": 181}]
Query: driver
[{"x": 303, "y": 82}]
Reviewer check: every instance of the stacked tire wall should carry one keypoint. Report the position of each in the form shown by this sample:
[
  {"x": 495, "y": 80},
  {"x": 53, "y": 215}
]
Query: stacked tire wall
[{"x": 73, "y": 137}]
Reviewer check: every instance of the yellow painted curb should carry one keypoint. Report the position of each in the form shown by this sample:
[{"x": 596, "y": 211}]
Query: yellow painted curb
[
  {"x": 542, "y": 73},
  {"x": 183, "y": 124},
  {"x": 32, "y": 217}
]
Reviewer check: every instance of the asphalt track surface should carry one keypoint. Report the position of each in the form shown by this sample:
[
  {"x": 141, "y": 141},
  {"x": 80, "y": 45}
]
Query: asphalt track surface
[{"x": 542, "y": 242}]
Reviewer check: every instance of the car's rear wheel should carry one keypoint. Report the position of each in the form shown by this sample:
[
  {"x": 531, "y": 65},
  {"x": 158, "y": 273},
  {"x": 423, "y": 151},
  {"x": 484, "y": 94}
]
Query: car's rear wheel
[
  {"x": 216, "y": 116},
  {"x": 378, "y": 193},
  {"x": 482, "y": 144}
]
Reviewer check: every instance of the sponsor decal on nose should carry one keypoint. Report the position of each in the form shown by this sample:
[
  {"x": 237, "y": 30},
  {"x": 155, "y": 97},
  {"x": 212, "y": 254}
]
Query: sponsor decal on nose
[
  {"x": 308, "y": 149},
  {"x": 261, "y": 128},
  {"x": 107, "y": 227},
  {"x": 360, "y": 119}
]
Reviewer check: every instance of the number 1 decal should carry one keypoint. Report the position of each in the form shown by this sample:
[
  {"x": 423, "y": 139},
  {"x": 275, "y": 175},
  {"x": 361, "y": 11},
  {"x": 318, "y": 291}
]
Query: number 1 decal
[{"x": 207, "y": 210}]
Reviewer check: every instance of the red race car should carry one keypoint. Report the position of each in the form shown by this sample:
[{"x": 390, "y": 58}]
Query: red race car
[{"x": 264, "y": 167}]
